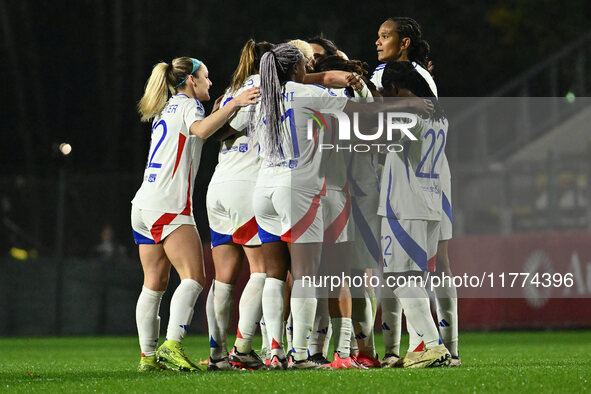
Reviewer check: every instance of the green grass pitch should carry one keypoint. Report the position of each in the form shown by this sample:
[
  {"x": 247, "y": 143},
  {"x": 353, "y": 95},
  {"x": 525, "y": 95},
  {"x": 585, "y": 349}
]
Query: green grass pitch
[{"x": 493, "y": 362}]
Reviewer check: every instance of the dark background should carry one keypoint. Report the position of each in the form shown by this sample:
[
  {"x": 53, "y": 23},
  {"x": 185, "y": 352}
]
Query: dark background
[{"x": 74, "y": 70}]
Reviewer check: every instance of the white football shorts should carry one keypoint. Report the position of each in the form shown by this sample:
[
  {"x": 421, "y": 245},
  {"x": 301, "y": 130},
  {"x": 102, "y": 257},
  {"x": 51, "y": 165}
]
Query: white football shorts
[
  {"x": 152, "y": 227},
  {"x": 336, "y": 212},
  {"x": 367, "y": 253},
  {"x": 289, "y": 215},
  {"x": 409, "y": 245},
  {"x": 231, "y": 214}
]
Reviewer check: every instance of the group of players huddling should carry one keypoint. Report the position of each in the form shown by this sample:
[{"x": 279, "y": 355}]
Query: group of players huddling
[{"x": 296, "y": 211}]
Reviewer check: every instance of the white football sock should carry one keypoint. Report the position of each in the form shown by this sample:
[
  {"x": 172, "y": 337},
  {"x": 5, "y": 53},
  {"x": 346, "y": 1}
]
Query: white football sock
[
  {"x": 362, "y": 317},
  {"x": 342, "y": 328},
  {"x": 415, "y": 342},
  {"x": 273, "y": 313},
  {"x": 182, "y": 307},
  {"x": 447, "y": 315},
  {"x": 354, "y": 346},
  {"x": 288, "y": 324},
  {"x": 264, "y": 337},
  {"x": 325, "y": 349},
  {"x": 374, "y": 303},
  {"x": 251, "y": 311},
  {"x": 212, "y": 325},
  {"x": 391, "y": 324},
  {"x": 147, "y": 320},
  {"x": 303, "y": 310},
  {"x": 320, "y": 328},
  {"x": 219, "y": 309},
  {"x": 415, "y": 303}
]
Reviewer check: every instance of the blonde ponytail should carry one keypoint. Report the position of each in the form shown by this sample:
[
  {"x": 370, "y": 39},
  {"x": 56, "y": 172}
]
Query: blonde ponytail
[
  {"x": 246, "y": 66},
  {"x": 156, "y": 92},
  {"x": 164, "y": 80}
]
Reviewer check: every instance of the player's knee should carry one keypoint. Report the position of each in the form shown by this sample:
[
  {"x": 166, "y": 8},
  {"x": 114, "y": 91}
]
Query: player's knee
[{"x": 156, "y": 282}]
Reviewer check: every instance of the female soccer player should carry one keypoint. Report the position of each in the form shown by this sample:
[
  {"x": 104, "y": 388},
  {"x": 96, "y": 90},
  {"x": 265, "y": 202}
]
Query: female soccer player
[
  {"x": 347, "y": 315},
  {"x": 400, "y": 39},
  {"x": 410, "y": 204},
  {"x": 234, "y": 230},
  {"x": 162, "y": 213},
  {"x": 287, "y": 197}
]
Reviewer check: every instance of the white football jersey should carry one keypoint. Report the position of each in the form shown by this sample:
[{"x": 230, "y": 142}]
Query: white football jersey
[
  {"x": 376, "y": 77},
  {"x": 238, "y": 159},
  {"x": 173, "y": 159},
  {"x": 335, "y": 162},
  {"x": 301, "y": 166},
  {"x": 362, "y": 168},
  {"x": 410, "y": 185}
]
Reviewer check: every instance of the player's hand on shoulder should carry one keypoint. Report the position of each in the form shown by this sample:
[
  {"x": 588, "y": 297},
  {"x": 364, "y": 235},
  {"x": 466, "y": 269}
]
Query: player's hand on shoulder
[
  {"x": 354, "y": 81},
  {"x": 423, "y": 106},
  {"x": 249, "y": 96}
]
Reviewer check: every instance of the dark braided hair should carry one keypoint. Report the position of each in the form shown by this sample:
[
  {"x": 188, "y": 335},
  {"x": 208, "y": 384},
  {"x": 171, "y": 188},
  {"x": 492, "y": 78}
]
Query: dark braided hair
[
  {"x": 275, "y": 70},
  {"x": 336, "y": 62},
  {"x": 418, "y": 51},
  {"x": 404, "y": 76}
]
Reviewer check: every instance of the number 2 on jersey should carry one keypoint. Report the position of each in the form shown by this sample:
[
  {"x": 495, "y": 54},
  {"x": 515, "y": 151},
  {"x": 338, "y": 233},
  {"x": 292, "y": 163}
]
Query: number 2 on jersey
[
  {"x": 431, "y": 174},
  {"x": 151, "y": 163}
]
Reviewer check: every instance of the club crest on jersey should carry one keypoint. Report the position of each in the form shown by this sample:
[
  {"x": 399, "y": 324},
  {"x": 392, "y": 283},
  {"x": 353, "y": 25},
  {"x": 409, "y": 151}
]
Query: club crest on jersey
[
  {"x": 243, "y": 147},
  {"x": 152, "y": 178}
]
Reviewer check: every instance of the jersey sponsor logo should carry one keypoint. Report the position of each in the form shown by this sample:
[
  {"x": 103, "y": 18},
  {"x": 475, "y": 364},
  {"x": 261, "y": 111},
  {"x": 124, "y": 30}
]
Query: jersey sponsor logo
[
  {"x": 152, "y": 178},
  {"x": 243, "y": 147}
]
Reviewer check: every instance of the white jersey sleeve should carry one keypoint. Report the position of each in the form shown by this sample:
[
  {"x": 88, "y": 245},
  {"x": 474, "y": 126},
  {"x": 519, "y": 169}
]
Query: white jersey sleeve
[{"x": 376, "y": 77}]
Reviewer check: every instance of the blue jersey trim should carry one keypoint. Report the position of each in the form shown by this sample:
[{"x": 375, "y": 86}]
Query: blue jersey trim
[
  {"x": 368, "y": 237},
  {"x": 446, "y": 205}
]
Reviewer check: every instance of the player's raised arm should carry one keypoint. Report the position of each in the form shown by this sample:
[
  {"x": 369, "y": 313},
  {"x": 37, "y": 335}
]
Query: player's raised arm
[{"x": 206, "y": 127}]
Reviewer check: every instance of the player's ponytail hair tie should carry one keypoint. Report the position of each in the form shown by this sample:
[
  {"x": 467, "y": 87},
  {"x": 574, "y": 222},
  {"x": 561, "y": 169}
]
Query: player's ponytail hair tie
[{"x": 196, "y": 65}]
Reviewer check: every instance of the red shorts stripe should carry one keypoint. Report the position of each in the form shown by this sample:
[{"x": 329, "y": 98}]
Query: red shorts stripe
[
  {"x": 158, "y": 226},
  {"x": 246, "y": 232},
  {"x": 302, "y": 225},
  {"x": 332, "y": 232},
  {"x": 431, "y": 263}
]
